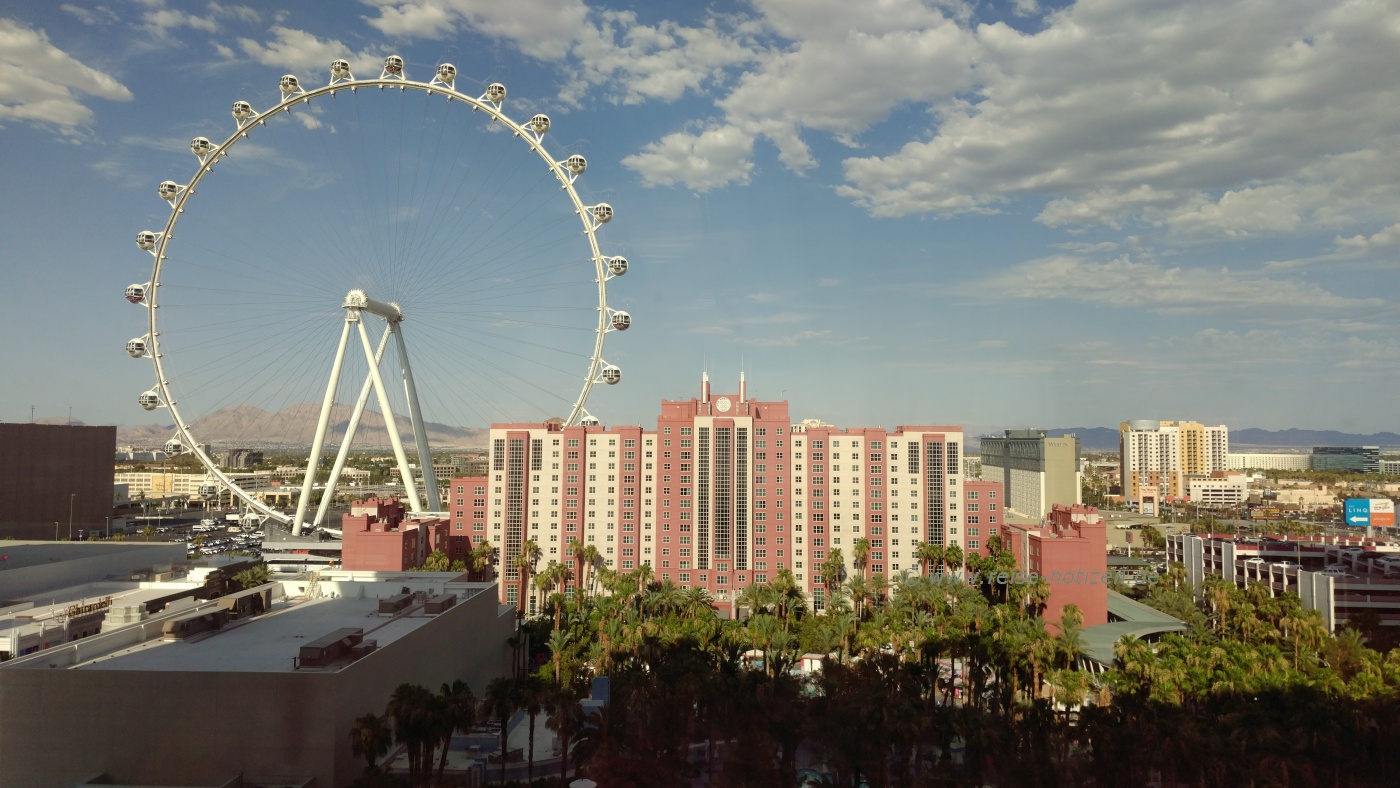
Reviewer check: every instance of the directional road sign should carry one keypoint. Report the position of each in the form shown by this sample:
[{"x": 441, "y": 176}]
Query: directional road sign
[{"x": 1363, "y": 512}]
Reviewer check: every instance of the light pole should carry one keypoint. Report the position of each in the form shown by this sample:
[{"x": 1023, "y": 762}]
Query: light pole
[
  {"x": 71, "y": 496},
  {"x": 109, "y": 526},
  {"x": 55, "y": 532}
]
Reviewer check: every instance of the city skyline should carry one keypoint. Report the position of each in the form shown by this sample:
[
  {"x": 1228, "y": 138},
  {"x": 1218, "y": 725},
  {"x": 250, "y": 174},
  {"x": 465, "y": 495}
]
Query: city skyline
[{"x": 955, "y": 211}]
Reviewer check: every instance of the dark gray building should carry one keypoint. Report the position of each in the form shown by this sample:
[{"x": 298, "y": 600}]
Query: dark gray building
[{"x": 1356, "y": 459}]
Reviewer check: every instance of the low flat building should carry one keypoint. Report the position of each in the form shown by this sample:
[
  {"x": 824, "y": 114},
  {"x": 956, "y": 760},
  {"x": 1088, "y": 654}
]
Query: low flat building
[
  {"x": 1294, "y": 565},
  {"x": 201, "y": 697},
  {"x": 1219, "y": 490},
  {"x": 1269, "y": 462}
]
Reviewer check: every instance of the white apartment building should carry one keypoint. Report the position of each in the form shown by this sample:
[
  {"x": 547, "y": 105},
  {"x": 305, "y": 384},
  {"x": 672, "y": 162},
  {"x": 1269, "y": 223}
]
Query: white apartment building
[
  {"x": 1219, "y": 490},
  {"x": 1155, "y": 456},
  {"x": 1269, "y": 462}
]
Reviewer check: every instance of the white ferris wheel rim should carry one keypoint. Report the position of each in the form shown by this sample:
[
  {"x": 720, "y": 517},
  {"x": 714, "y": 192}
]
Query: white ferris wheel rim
[{"x": 597, "y": 366}]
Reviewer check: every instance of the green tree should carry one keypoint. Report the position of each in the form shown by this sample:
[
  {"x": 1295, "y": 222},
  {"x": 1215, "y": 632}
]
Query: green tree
[
  {"x": 251, "y": 577},
  {"x": 371, "y": 737},
  {"x": 457, "y": 705},
  {"x": 501, "y": 700}
]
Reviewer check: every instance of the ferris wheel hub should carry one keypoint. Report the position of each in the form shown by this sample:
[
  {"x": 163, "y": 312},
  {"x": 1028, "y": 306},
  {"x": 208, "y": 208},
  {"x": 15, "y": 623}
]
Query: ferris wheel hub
[{"x": 357, "y": 300}]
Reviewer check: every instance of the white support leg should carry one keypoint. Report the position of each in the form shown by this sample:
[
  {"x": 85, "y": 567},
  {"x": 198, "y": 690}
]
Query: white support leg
[
  {"x": 420, "y": 434},
  {"x": 405, "y": 473},
  {"x": 319, "y": 442},
  {"x": 350, "y": 429}
]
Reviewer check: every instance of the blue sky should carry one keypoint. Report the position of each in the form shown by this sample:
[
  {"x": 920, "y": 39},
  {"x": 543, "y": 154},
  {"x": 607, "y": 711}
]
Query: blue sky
[{"x": 993, "y": 214}]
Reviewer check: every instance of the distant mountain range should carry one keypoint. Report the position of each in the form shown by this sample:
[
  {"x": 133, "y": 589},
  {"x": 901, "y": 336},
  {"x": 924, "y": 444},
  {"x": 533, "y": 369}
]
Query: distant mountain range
[
  {"x": 1106, "y": 438},
  {"x": 294, "y": 425},
  {"x": 245, "y": 425}
]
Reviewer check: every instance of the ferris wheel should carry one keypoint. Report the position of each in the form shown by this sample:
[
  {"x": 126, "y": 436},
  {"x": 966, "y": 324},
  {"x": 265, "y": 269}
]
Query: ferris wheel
[{"x": 346, "y": 224}]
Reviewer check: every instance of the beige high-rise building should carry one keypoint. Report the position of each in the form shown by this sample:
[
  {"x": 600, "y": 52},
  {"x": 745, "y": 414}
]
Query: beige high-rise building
[
  {"x": 1036, "y": 470},
  {"x": 1157, "y": 457}
]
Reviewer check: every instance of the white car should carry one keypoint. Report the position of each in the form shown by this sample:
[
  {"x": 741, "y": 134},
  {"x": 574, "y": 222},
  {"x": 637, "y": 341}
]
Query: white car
[
  {"x": 1335, "y": 570},
  {"x": 1286, "y": 564}
]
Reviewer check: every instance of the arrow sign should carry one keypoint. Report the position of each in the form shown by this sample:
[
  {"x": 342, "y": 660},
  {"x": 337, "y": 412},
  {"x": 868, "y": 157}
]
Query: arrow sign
[
  {"x": 1358, "y": 511},
  {"x": 1379, "y": 512}
]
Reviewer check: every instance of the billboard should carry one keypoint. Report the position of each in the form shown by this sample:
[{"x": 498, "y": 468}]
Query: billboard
[{"x": 1363, "y": 512}]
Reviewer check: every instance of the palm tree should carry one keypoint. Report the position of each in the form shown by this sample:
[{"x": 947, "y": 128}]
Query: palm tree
[
  {"x": 575, "y": 550},
  {"x": 927, "y": 554},
  {"x": 533, "y": 696},
  {"x": 412, "y": 708},
  {"x": 697, "y": 601},
  {"x": 501, "y": 701},
  {"x": 832, "y": 571},
  {"x": 591, "y": 557},
  {"x": 754, "y": 597},
  {"x": 953, "y": 555},
  {"x": 566, "y": 719},
  {"x": 525, "y": 564},
  {"x": 859, "y": 553},
  {"x": 458, "y": 713},
  {"x": 558, "y": 643},
  {"x": 371, "y": 736},
  {"x": 1071, "y": 642},
  {"x": 483, "y": 555}
]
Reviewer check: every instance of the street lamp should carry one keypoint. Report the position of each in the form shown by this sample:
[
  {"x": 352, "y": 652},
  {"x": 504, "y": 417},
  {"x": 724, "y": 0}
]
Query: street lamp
[
  {"x": 109, "y": 526},
  {"x": 55, "y": 532},
  {"x": 71, "y": 496}
]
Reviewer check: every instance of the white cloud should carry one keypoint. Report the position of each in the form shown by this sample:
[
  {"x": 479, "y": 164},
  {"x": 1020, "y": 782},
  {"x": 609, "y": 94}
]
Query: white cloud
[
  {"x": 41, "y": 84},
  {"x": 989, "y": 344},
  {"x": 713, "y": 158},
  {"x": 97, "y": 15},
  {"x": 1385, "y": 242},
  {"x": 824, "y": 336},
  {"x": 303, "y": 52},
  {"x": 1146, "y": 285},
  {"x": 160, "y": 20},
  {"x": 1212, "y": 118}
]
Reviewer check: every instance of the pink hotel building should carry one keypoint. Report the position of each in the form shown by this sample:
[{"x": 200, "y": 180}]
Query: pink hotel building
[{"x": 726, "y": 491}]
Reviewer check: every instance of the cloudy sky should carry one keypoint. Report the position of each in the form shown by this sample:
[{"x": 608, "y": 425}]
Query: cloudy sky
[{"x": 999, "y": 213}]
